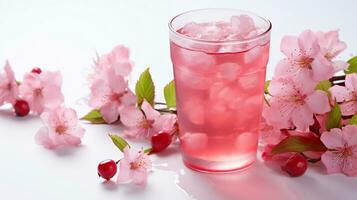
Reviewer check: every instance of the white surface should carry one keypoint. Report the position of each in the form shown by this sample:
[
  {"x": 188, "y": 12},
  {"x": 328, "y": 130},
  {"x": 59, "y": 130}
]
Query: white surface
[{"x": 64, "y": 35}]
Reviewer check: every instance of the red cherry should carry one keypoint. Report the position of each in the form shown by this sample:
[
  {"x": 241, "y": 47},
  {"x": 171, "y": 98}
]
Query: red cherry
[
  {"x": 296, "y": 165},
  {"x": 21, "y": 108},
  {"x": 107, "y": 169},
  {"x": 160, "y": 141},
  {"x": 36, "y": 70}
]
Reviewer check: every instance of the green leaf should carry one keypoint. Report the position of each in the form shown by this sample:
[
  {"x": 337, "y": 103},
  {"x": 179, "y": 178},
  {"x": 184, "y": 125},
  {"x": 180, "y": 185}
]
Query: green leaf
[
  {"x": 266, "y": 86},
  {"x": 295, "y": 143},
  {"x": 145, "y": 88},
  {"x": 324, "y": 85},
  {"x": 170, "y": 96},
  {"x": 94, "y": 117},
  {"x": 334, "y": 118},
  {"x": 353, "y": 120},
  {"x": 119, "y": 142},
  {"x": 352, "y": 68}
]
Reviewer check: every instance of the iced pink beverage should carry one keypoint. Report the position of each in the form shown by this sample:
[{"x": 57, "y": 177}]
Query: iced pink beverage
[{"x": 219, "y": 69}]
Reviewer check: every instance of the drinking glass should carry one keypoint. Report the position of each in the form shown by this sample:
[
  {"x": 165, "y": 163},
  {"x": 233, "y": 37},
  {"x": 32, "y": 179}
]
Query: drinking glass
[{"x": 219, "y": 90}]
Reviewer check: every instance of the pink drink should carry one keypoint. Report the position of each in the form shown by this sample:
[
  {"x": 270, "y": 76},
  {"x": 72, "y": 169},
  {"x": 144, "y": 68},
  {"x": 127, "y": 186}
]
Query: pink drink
[{"x": 219, "y": 70}]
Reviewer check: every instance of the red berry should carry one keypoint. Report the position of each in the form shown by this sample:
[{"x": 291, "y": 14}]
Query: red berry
[
  {"x": 160, "y": 141},
  {"x": 296, "y": 165},
  {"x": 107, "y": 169},
  {"x": 36, "y": 70},
  {"x": 21, "y": 108}
]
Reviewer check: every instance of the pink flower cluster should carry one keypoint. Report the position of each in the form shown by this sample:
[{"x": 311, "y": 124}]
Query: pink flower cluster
[
  {"x": 294, "y": 105},
  {"x": 309, "y": 59},
  {"x": 110, "y": 93},
  {"x": 42, "y": 93}
]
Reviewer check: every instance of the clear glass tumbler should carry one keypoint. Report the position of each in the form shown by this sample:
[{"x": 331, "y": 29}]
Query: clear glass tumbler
[{"x": 219, "y": 58}]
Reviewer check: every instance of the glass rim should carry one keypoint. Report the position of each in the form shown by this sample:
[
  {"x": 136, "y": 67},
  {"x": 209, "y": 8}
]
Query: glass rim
[{"x": 228, "y": 42}]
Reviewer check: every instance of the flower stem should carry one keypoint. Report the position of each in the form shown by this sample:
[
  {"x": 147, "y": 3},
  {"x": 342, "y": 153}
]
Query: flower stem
[
  {"x": 165, "y": 110},
  {"x": 337, "y": 78}
]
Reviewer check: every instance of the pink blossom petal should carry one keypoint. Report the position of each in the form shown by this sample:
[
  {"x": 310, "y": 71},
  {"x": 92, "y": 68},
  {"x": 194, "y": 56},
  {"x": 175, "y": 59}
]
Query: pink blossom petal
[
  {"x": 128, "y": 99},
  {"x": 339, "y": 65},
  {"x": 322, "y": 69},
  {"x": 289, "y": 46},
  {"x": 349, "y": 108},
  {"x": 302, "y": 118},
  {"x": 52, "y": 96},
  {"x": 76, "y": 131},
  {"x": 284, "y": 67},
  {"x": 351, "y": 82},
  {"x": 329, "y": 160},
  {"x": 36, "y": 104},
  {"x": 42, "y": 138},
  {"x": 116, "y": 82},
  {"x": 71, "y": 140},
  {"x": 135, "y": 132},
  {"x": 279, "y": 114},
  {"x": 318, "y": 102},
  {"x": 350, "y": 135},
  {"x": 165, "y": 123},
  {"x": 69, "y": 116},
  {"x": 333, "y": 139},
  {"x": 340, "y": 93},
  {"x": 274, "y": 117},
  {"x": 99, "y": 90},
  {"x": 120, "y": 52},
  {"x": 308, "y": 42},
  {"x": 282, "y": 86},
  {"x": 131, "y": 116},
  {"x": 125, "y": 173},
  {"x": 123, "y": 68},
  {"x": 110, "y": 112},
  {"x": 150, "y": 113},
  {"x": 54, "y": 78},
  {"x": 140, "y": 177}
]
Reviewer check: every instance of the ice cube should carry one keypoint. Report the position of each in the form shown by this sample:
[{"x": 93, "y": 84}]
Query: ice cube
[
  {"x": 195, "y": 60},
  {"x": 229, "y": 71},
  {"x": 243, "y": 24},
  {"x": 251, "y": 82},
  {"x": 194, "y": 141},
  {"x": 221, "y": 92},
  {"x": 252, "y": 55},
  {"x": 247, "y": 141},
  {"x": 194, "y": 109},
  {"x": 191, "y": 79}
]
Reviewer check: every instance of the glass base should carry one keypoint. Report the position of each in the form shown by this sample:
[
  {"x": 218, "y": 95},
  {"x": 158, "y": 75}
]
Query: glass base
[{"x": 219, "y": 166}]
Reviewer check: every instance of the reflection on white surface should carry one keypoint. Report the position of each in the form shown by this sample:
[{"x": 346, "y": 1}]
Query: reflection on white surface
[{"x": 253, "y": 183}]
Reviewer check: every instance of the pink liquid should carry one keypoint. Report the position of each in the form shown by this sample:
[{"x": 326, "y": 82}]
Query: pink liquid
[{"x": 219, "y": 103}]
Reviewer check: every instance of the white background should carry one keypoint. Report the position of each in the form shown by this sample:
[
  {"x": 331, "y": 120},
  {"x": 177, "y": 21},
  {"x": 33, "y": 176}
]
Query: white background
[{"x": 64, "y": 35}]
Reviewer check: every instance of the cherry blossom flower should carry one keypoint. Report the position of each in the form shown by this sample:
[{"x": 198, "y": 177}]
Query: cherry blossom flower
[
  {"x": 42, "y": 91},
  {"x": 8, "y": 86},
  {"x": 134, "y": 167},
  {"x": 145, "y": 123},
  {"x": 304, "y": 58},
  {"x": 347, "y": 95},
  {"x": 294, "y": 102},
  {"x": 110, "y": 95},
  {"x": 331, "y": 46},
  {"x": 117, "y": 59},
  {"x": 60, "y": 128},
  {"x": 341, "y": 155}
]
